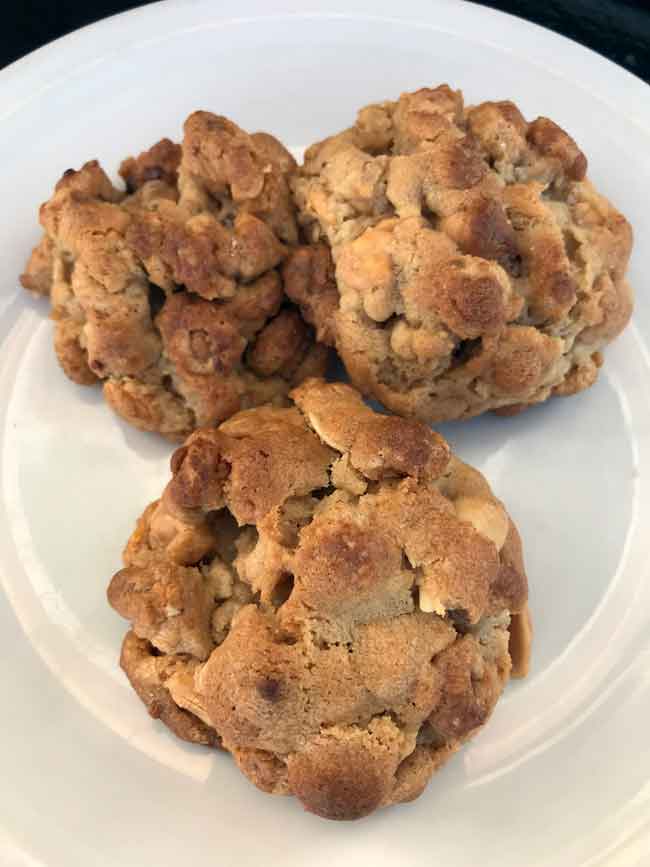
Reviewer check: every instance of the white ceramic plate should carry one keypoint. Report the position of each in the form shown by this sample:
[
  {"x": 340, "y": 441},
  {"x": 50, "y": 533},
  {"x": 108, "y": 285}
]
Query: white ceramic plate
[{"x": 560, "y": 775}]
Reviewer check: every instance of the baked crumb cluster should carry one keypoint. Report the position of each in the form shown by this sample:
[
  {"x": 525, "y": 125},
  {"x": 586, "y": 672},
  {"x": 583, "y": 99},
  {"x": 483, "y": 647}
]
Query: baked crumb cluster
[
  {"x": 327, "y": 593},
  {"x": 476, "y": 267},
  {"x": 169, "y": 292}
]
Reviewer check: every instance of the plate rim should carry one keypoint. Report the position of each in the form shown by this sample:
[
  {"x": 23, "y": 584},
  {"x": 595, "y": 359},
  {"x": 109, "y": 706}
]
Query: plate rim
[{"x": 619, "y": 89}]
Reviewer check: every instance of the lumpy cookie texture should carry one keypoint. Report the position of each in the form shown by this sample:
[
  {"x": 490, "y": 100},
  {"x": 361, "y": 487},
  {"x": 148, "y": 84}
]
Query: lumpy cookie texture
[
  {"x": 474, "y": 265},
  {"x": 169, "y": 292},
  {"x": 328, "y": 594}
]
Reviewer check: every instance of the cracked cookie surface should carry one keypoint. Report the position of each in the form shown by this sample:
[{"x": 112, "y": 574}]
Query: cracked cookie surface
[
  {"x": 330, "y": 595},
  {"x": 475, "y": 266},
  {"x": 169, "y": 292}
]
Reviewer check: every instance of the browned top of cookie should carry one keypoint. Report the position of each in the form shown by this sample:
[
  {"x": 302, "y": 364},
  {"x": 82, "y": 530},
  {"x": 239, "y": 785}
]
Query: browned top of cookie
[
  {"x": 428, "y": 152},
  {"x": 239, "y": 170},
  {"x": 159, "y": 163},
  {"x": 456, "y": 231},
  {"x": 343, "y": 586}
]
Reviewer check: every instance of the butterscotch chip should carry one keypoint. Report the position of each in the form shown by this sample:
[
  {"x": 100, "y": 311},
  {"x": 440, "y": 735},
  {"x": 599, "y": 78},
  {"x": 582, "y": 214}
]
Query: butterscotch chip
[
  {"x": 332, "y": 593},
  {"x": 473, "y": 265},
  {"x": 171, "y": 293},
  {"x": 521, "y": 636}
]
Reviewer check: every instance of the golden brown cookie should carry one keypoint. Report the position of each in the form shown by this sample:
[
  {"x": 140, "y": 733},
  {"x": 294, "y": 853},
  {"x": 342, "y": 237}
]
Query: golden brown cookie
[
  {"x": 476, "y": 267},
  {"x": 329, "y": 594},
  {"x": 170, "y": 293}
]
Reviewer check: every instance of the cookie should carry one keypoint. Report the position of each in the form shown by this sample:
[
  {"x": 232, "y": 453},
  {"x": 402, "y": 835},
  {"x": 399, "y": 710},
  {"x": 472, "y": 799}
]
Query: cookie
[
  {"x": 169, "y": 293},
  {"x": 328, "y": 594},
  {"x": 475, "y": 267}
]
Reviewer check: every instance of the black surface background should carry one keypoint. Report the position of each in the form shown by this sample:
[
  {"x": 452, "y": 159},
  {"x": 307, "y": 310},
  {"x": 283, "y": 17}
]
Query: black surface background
[{"x": 619, "y": 29}]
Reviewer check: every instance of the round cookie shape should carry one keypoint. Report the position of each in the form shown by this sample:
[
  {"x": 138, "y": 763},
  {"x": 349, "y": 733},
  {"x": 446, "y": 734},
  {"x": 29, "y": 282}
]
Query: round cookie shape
[
  {"x": 169, "y": 292},
  {"x": 327, "y": 593},
  {"x": 473, "y": 265}
]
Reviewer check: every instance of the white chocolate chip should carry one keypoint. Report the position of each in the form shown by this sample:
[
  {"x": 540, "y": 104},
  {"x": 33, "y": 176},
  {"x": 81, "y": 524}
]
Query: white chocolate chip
[
  {"x": 182, "y": 690},
  {"x": 486, "y": 516},
  {"x": 430, "y": 603}
]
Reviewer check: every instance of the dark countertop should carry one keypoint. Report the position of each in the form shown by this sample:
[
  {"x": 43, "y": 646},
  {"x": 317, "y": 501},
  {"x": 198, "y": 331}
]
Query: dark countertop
[{"x": 618, "y": 29}]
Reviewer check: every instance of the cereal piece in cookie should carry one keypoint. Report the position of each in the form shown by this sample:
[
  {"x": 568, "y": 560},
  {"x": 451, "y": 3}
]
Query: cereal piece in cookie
[
  {"x": 38, "y": 275},
  {"x": 332, "y": 593},
  {"x": 153, "y": 676}
]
